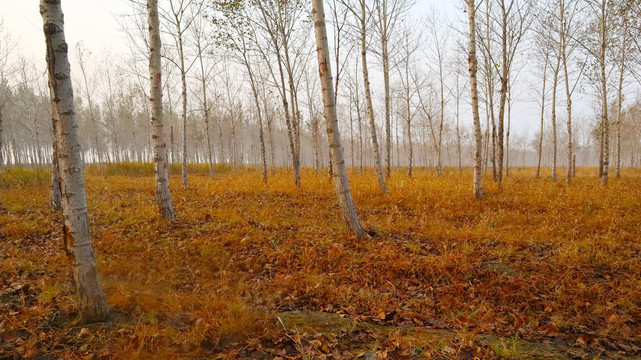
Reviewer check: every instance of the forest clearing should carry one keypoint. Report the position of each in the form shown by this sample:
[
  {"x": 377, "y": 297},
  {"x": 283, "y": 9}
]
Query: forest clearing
[
  {"x": 535, "y": 270},
  {"x": 320, "y": 179}
]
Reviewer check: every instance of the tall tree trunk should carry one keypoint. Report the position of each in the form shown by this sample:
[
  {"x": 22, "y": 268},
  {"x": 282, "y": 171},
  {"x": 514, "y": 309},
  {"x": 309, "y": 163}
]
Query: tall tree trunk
[
  {"x": 288, "y": 118},
  {"x": 92, "y": 304},
  {"x": 601, "y": 142},
  {"x": 504, "y": 89},
  {"x": 568, "y": 91},
  {"x": 604, "y": 91},
  {"x": 410, "y": 154},
  {"x": 624, "y": 44},
  {"x": 210, "y": 159},
  {"x": 388, "y": 97},
  {"x": 540, "y": 148},
  {"x": 341, "y": 182},
  {"x": 490, "y": 90},
  {"x": 473, "y": 63},
  {"x": 458, "y": 127},
  {"x": 163, "y": 193},
  {"x": 261, "y": 134},
  {"x": 270, "y": 133},
  {"x": 507, "y": 134},
  {"x": 183, "y": 80},
  {"x": 360, "y": 127},
  {"x": 314, "y": 124},
  {"x": 555, "y": 84},
  {"x": 351, "y": 132},
  {"x": 439, "y": 168},
  {"x": 370, "y": 106}
]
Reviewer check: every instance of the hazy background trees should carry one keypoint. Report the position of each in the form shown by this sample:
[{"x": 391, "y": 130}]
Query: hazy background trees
[{"x": 239, "y": 89}]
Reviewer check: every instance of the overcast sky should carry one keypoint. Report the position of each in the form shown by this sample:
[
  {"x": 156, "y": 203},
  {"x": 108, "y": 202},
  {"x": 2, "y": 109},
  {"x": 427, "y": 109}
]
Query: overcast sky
[{"x": 96, "y": 24}]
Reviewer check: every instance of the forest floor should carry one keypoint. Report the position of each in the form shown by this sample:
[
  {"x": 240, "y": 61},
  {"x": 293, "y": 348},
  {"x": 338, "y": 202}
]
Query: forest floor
[{"x": 537, "y": 269}]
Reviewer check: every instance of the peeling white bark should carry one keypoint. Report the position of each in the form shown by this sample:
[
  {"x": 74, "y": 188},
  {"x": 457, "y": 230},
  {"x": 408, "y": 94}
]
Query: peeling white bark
[{"x": 92, "y": 304}]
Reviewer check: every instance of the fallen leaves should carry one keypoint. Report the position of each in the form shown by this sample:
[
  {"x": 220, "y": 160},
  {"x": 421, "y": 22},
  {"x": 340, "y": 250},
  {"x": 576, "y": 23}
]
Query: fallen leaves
[{"x": 530, "y": 262}]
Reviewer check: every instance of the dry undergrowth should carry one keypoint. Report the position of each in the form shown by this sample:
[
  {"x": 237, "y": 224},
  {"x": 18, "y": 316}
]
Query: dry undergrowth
[{"x": 536, "y": 260}]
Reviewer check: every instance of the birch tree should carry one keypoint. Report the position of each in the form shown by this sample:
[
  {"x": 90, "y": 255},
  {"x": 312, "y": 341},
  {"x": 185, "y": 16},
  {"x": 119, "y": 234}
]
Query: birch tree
[
  {"x": 237, "y": 36},
  {"x": 163, "y": 193},
  {"x": 92, "y": 303},
  {"x": 603, "y": 32},
  {"x": 546, "y": 63},
  {"x": 440, "y": 46},
  {"x": 179, "y": 19},
  {"x": 206, "y": 74},
  {"x": 514, "y": 21},
  {"x": 473, "y": 68},
  {"x": 278, "y": 20},
  {"x": 388, "y": 14},
  {"x": 341, "y": 182},
  {"x": 359, "y": 11}
]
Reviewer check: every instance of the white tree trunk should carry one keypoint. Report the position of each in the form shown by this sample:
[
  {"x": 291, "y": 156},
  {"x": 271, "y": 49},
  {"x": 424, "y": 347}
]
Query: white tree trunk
[
  {"x": 163, "y": 194},
  {"x": 183, "y": 80},
  {"x": 624, "y": 44},
  {"x": 604, "y": 92},
  {"x": 388, "y": 97},
  {"x": 473, "y": 63},
  {"x": 368, "y": 99},
  {"x": 55, "y": 176},
  {"x": 92, "y": 304},
  {"x": 203, "y": 73},
  {"x": 341, "y": 182},
  {"x": 540, "y": 147},
  {"x": 555, "y": 85}
]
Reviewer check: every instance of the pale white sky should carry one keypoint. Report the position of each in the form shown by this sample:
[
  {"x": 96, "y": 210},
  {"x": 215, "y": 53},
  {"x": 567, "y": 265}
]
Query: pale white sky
[
  {"x": 90, "y": 21},
  {"x": 96, "y": 25}
]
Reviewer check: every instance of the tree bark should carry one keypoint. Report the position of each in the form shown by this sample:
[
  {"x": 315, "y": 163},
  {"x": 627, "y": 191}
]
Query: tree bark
[
  {"x": 388, "y": 126},
  {"x": 55, "y": 177},
  {"x": 473, "y": 67},
  {"x": 458, "y": 127},
  {"x": 210, "y": 159},
  {"x": 341, "y": 182},
  {"x": 604, "y": 110},
  {"x": 183, "y": 80},
  {"x": 624, "y": 44},
  {"x": 289, "y": 121},
  {"x": 261, "y": 133},
  {"x": 507, "y": 134},
  {"x": 505, "y": 72},
  {"x": 163, "y": 193},
  {"x": 439, "y": 166},
  {"x": 568, "y": 91},
  {"x": 555, "y": 84},
  {"x": 92, "y": 304},
  {"x": 540, "y": 149},
  {"x": 370, "y": 106}
]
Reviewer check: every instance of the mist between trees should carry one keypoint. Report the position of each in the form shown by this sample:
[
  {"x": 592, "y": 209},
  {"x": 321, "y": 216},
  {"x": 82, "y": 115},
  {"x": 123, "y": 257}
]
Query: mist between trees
[{"x": 232, "y": 56}]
